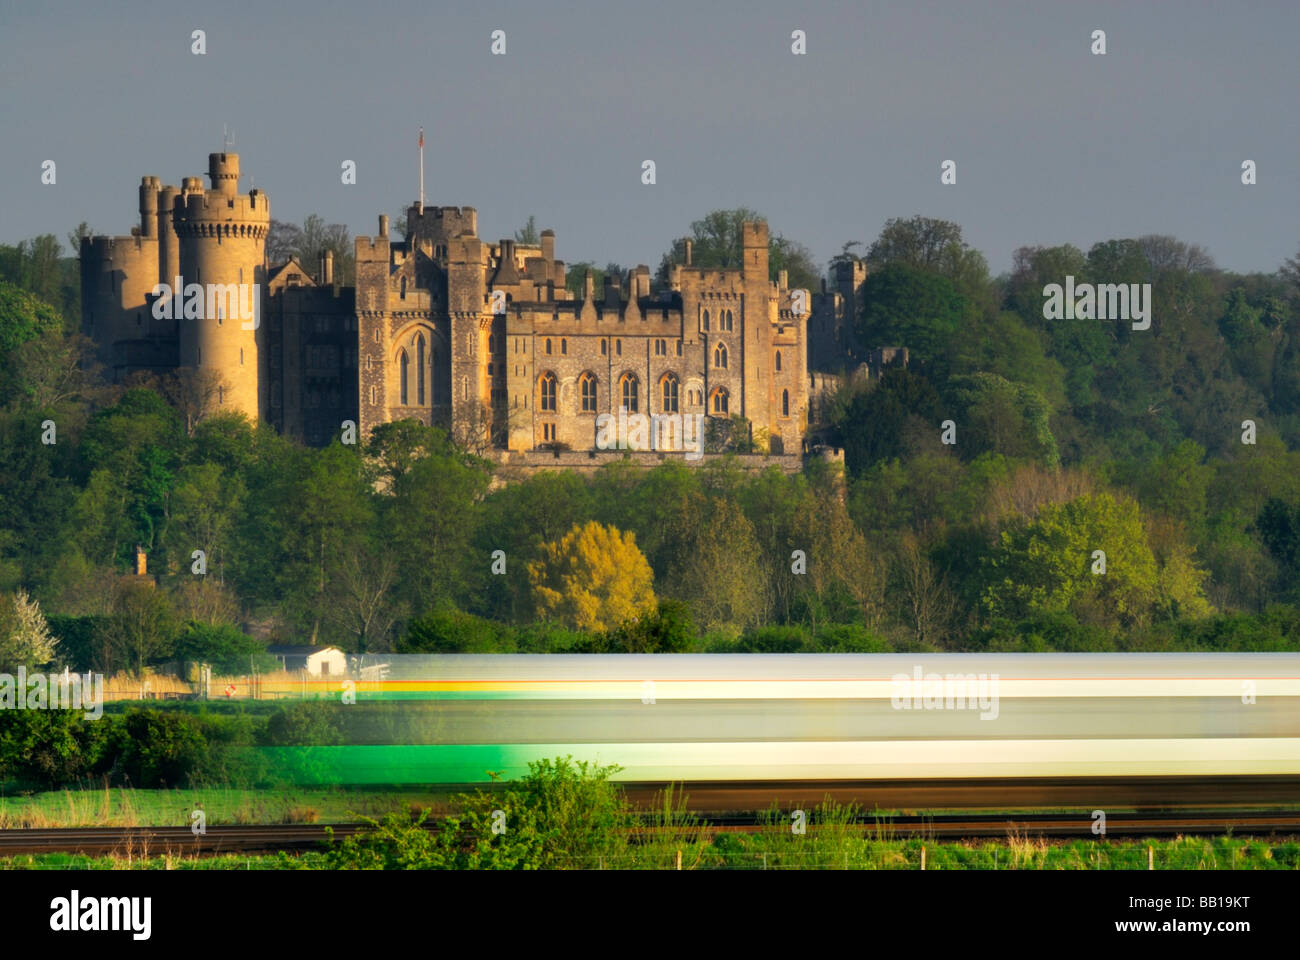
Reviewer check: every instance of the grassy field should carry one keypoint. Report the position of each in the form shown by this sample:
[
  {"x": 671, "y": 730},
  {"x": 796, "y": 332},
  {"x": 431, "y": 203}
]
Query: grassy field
[
  {"x": 126, "y": 807},
  {"x": 784, "y": 852}
]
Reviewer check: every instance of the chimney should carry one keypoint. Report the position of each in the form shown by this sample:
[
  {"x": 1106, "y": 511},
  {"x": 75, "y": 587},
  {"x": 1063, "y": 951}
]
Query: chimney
[
  {"x": 327, "y": 268},
  {"x": 548, "y": 245},
  {"x": 689, "y": 247},
  {"x": 383, "y": 226},
  {"x": 782, "y": 279},
  {"x": 588, "y": 287}
]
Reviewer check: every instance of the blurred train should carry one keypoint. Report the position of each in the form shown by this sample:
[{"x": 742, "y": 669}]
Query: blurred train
[{"x": 719, "y": 719}]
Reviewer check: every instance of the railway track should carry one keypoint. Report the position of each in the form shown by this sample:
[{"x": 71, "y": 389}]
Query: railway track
[{"x": 154, "y": 841}]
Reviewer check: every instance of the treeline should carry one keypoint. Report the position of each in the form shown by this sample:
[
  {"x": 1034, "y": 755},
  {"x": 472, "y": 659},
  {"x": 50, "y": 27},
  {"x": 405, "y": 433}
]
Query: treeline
[{"x": 1103, "y": 489}]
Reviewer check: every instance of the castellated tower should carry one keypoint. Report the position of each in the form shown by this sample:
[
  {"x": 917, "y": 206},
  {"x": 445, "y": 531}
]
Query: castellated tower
[{"x": 222, "y": 247}]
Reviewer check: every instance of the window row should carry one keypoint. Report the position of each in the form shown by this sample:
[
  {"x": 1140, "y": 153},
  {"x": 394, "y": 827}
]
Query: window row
[
  {"x": 629, "y": 394},
  {"x": 723, "y": 319}
]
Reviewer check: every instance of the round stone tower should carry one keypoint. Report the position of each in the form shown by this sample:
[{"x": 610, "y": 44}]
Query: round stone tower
[{"x": 222, "y": 239}]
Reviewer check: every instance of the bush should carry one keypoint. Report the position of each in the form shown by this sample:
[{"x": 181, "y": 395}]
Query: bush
[
  {"x": 226, "y": 648},
  {"x": 448, "y": 630},
  {"x": 560, "y": 815},
  {"x": 304, "y": 724},
  {"x": 156, "y": 749},
  {"x": 50, "y": 748}
]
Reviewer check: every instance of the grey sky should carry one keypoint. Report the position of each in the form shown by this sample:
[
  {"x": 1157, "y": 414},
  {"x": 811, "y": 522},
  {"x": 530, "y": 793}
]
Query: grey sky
[{"x": 1052, "y": 144}]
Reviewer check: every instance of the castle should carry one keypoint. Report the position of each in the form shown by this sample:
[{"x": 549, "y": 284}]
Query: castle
[{"x": 484, "y": 339}]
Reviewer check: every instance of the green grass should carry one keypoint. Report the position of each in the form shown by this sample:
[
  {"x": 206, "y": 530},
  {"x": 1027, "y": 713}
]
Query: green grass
[
  {"x": 810, "y": 852},
  {"x": 127, "y": 807}
]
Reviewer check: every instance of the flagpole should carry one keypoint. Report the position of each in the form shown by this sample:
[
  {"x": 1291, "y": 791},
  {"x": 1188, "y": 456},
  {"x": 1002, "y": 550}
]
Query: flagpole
[{"x": 422, "y": 171}]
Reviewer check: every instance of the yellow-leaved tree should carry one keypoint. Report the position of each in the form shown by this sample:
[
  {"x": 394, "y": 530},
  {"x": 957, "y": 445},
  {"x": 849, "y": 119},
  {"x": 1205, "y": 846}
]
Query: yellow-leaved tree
[{"x": 593, "y": 578}]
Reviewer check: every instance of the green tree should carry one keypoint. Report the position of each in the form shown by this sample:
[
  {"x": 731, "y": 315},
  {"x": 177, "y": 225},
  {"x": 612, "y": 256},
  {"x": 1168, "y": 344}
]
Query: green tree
[
  {"x": 528, "y": 232},
  {"x": 905, "y": 305},
  {"x": 142, "y": 628},
  {"x": 718, "y": 241},
  {"x": 1048, "y": 564}
]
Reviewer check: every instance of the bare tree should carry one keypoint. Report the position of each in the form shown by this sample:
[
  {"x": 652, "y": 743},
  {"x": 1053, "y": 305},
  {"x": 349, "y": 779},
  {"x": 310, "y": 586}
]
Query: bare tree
[
  {"x": 929, "y": 602},
  {"x": 363, "y": 604},
  {"x": 192, "y": 391}
]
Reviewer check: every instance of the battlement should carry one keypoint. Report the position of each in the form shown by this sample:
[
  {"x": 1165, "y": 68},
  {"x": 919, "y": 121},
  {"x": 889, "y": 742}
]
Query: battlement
[
  {"x": 114, "y": 251},
  {"x": 210, "y": 214},
  {"x": 441, "y": 224}
]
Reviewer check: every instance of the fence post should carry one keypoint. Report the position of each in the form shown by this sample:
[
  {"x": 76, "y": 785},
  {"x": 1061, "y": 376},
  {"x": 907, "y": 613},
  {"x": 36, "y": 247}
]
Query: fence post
[
  {"x": 922, "y": 857},
  {"x": 679, "y": 859},
  {"x": 1151, "y": 858}
]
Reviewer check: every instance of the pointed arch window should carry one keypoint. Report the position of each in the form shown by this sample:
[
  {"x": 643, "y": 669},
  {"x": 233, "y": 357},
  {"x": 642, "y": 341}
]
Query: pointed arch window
[
  {"x": 404, "y": 376},
  {"x": 721, "y": 401},
  {"x": 419, "y": 369},
  {"x": 778, "y": 361},
  {"x": 785, "y": 403},
  {"x": 628, "y": 389},
  {"x": 669, "y": 389},
  {"x": 548, "y": 392},
  {"x": 587, "y": 388},
  {"x": 706, "y": 320},
  {"x": 720, "y": 356}
]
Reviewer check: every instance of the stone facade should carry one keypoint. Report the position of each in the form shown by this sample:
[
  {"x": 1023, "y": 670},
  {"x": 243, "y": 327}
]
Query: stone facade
[{"x": 482, "y": 338}]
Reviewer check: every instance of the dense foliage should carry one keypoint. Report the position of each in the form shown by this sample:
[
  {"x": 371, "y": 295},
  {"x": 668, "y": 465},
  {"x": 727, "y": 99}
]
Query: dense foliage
[{"x": 1072, "y": 438}]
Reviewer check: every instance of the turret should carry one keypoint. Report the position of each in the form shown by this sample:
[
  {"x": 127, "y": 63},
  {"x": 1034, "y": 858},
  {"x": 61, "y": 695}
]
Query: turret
[{"x": 223, "y": 249}]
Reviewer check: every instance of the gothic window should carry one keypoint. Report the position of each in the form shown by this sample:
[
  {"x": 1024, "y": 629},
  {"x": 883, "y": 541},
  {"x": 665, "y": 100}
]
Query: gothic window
[
  {"x": 785, "y": 403},
  {"x": 778, "y": 361},
  {"x": 669, "y": 385},
  {"x": 564, "y": 345},
  {"x": 706, "y": 319},
  {"x": 720, "y": 356},
  {"x": 587, "y": 386},
  {"x": 618, "y": 347},
  {"x": 720, "y": 401},
  {"x": 604, "y": 346},
  {"x": 419, "y": 370},
  {"x": 404, "y": 365},
  {"x": 548, "y": 344},
  {"x": 628, "y": 389},
  {"x": 548, "y": 392},
  {"x": 726, "y": 322}
]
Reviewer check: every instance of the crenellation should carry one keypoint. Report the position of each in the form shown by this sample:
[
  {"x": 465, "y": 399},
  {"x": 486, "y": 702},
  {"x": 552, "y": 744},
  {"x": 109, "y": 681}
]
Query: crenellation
[{"x": 441, "y": 326}]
